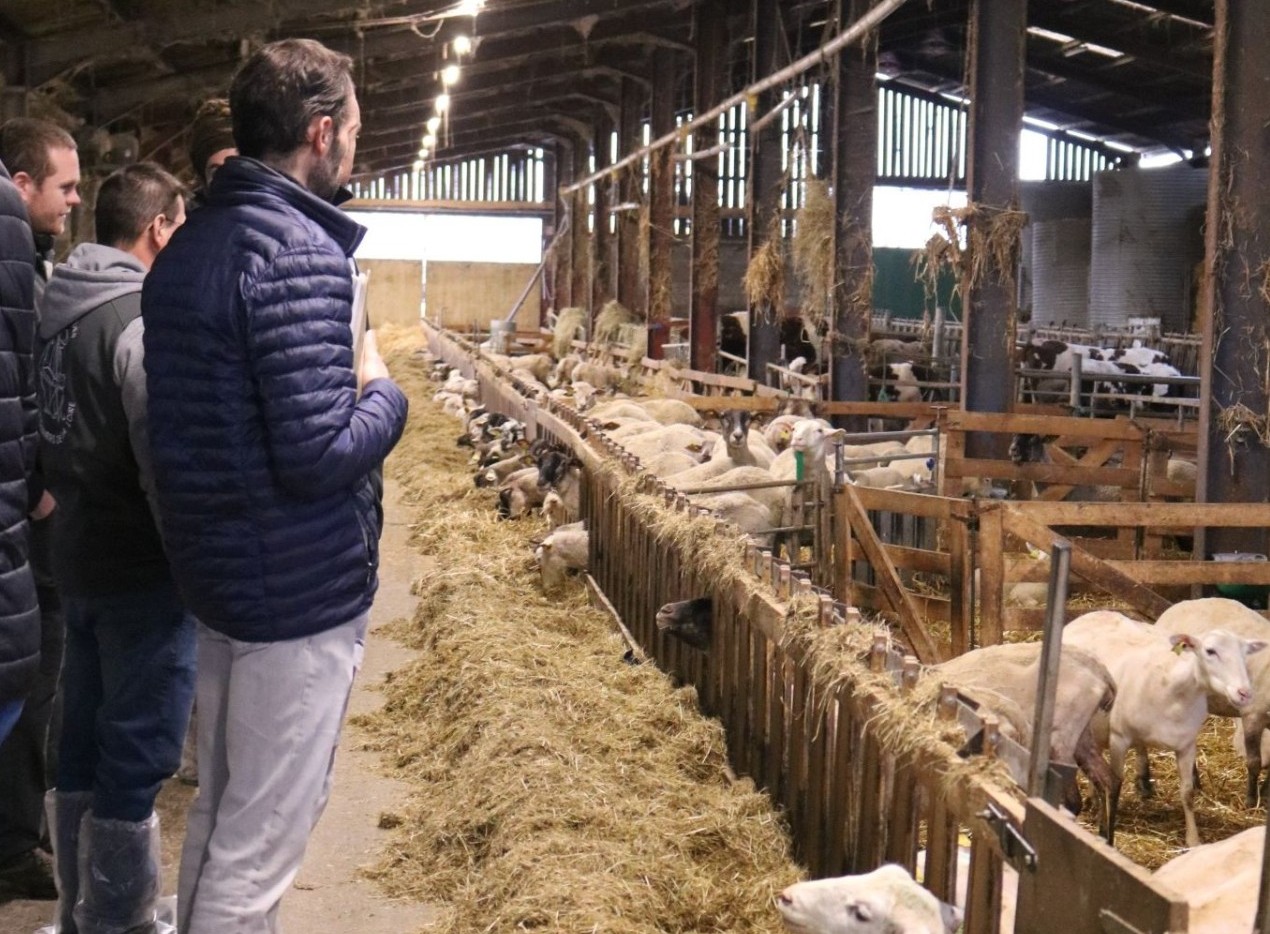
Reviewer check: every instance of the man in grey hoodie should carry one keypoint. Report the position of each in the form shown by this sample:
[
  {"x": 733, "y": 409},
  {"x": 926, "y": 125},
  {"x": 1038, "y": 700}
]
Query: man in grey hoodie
[{"x": 129, "y": 667}]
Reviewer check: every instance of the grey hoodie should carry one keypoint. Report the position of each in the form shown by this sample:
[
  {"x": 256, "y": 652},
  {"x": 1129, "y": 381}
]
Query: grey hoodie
[{"x": 91, "y": 387}]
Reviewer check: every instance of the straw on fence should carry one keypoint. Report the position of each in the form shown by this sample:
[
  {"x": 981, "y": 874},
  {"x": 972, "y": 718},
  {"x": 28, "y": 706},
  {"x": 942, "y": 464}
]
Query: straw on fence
[
  {"x": 765, "y": 273},
  {"x": 565, "y": 331},
  {"x": 608, "y": 323},
  {"x": 812, "y": 250}
]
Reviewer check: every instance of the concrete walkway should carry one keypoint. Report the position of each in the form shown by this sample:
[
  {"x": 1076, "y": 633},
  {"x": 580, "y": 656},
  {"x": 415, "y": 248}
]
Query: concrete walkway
[{"x": 329, "y": 897}]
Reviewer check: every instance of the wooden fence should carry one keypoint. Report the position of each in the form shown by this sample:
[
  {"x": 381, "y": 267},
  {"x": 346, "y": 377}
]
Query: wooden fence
[{"x": 833, "y": 745}]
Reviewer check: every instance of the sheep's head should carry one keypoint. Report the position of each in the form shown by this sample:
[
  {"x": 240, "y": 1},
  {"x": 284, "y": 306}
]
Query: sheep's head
[
  {"x": 813, "y": 438},
  {"x": 1222, "y": 658}
]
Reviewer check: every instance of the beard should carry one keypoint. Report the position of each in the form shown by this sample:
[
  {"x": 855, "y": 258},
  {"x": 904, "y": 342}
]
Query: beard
[{"x": 324, "y": 180}]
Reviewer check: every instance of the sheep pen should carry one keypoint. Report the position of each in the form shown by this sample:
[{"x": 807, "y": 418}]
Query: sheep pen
[{"x": 554, "y": 785}]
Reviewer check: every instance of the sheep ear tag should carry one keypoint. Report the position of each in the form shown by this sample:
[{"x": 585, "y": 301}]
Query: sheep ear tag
[
  {"x": 798, "y": 466},
  {"x": 1181, "y": 642}
]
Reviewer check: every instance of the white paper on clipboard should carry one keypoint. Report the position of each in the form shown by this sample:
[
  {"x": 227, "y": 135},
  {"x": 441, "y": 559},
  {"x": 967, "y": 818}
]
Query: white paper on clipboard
[{"x": 359, "y": 323}]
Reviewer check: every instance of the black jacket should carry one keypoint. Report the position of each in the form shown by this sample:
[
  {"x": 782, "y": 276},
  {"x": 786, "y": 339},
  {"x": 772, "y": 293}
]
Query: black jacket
[{"x": 19, "y": 614}]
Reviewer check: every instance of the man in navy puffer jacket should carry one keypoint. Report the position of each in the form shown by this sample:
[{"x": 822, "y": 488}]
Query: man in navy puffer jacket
[{"x": 266, "y": 464}]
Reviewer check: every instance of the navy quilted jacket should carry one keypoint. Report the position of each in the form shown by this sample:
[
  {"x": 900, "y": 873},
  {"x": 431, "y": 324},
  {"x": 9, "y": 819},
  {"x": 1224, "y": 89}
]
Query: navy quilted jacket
[
  {"x": 266, "y": 461},
  {"x": 19, "y": 615}
]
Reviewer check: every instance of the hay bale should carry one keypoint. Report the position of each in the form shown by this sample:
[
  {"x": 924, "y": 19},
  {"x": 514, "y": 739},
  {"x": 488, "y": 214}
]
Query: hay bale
[
  {"x": 565, "y": 331},
  {"x": 813, "y": 251}
]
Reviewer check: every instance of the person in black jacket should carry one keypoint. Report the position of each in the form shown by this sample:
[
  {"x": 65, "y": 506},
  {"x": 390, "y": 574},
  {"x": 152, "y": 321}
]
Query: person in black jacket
[
  {"x": 19, "y": 623},
  {"x": 45, "y": 167},
  {"x": 128, "y": 677}
]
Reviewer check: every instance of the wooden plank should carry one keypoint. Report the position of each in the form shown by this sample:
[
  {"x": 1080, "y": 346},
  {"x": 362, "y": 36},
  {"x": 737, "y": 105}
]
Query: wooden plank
[
  {"x": 991, "y": 566},
  {"x": 961, "y": 569},
  {"x": 931, "y": 609},
  {"x": 816, "y": 727},
  {"x": 1049, "y": 903},
  {"x": 983, "y": 892},
  {"x": 919, "y": 559},
  {"x": 774, "y": 766},
  {"x": 1019, "y": 423},
  {"x": 843, "y": 551},
  {"x": 757, "y": 747},
  {"x": 1096, "y": 456},
  {"x": 910, "y": 622},
  {"x": 1162, "y": 515},
  {"x": 1049, "y": 473},
  {"x": 901, "y": 841},
  {"x": 838, "y": 769},
  {"x": 896, "y": 410},
  {"x": 1196, "y": 572},
  {"x": 913, "y": 504},
  {"x": 1092, "y": 569},
  {"x": 942, "y": 828}
]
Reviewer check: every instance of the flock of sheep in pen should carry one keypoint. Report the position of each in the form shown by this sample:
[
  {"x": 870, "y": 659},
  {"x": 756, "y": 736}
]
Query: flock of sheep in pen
[{"x": 1124, "y": 684}]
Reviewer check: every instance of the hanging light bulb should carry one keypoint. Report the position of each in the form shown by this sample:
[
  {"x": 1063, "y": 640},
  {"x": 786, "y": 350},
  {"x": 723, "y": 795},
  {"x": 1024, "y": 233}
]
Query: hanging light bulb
[
  {"x": 418, "y": 164},
  {"x": 429, "y": 141},
  {"x": 462, "y": 45},
  {"x": 443, "y": 103},
  {"x": 450, "y": 75},
  {"x": 434, "y": 123}
]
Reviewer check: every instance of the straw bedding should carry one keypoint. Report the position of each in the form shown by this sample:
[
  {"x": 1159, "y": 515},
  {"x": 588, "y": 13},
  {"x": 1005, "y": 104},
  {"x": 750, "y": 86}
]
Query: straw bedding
[{"x": 554, "y": 786}]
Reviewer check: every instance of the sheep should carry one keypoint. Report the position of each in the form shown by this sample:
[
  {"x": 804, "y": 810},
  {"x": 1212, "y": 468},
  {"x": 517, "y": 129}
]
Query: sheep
[
  {"x": 779, "y": 430},
  {"x": 1161, "y": 697},
  {"x": 562, "y": 552},
  {"x": 672, "y": 412},
  {"x": 668, "y": 438},
  {"x": 555, "y": 511},
  {"x": 668, "y": 463},
  {"x": 584, "y": 394},
  {"x": 1220, "y": 882},
  {"x": 625, "y": 409},
  {"x": 519, "y": 494},
  {"x": 561, "y": 472},
  {"x": 538, "y": 364},
  {"x": 772, "y": 497},
  {"x": 596, "y": 374},
  {"x": 884, "y": 901},
  {"x": 689, "y": 621},
  {"x": 496, "y": 473},
  {"x": 1199, "y": 616},
  {"x": 741, "y": 510},
  {"x": 1005, "y": 678},
  {"x": 563, "y": 371},
  {"x": 736, "y": 448},
  {"x": 1180, "y": 470}
]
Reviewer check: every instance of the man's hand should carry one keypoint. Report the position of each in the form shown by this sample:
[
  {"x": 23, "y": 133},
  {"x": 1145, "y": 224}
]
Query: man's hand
[
  {"x": 44, "y": 508},
  {"x": 372, "y": 363}
]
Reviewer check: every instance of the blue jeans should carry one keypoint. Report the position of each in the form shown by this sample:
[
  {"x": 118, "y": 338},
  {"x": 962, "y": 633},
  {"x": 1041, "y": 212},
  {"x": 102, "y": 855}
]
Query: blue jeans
[
  {"x": 128, "y": 679},
  {"x": 9, "y": 713}
]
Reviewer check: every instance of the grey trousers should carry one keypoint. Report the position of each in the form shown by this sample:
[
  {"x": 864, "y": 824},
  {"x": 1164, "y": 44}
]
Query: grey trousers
[{"x": 269, "y": 719}]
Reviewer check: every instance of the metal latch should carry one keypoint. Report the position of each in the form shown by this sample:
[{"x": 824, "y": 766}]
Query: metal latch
[{"x": 1017, "y": 851}]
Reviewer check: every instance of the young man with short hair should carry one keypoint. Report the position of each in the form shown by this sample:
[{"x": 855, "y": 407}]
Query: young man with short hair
[
  {"x": 267, "y": 464},
  {"x": 129, "y": 670}
]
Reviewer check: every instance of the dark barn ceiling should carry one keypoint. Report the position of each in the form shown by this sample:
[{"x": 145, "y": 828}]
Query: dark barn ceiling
[{"x": 1136, "y": 74}]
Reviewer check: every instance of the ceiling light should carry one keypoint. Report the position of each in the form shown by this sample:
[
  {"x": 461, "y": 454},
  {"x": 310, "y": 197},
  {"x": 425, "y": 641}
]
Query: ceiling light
[
  {"x": 450, "y": 75},
  {"x": 462, "y": 45},
  {"x": 429, "y": 141},
  {"x": 434, "y": 123},
  {"x": 470, "y": 7},
  {"x": 418, "y": 164},
  {"x": 443, "y": 103}
]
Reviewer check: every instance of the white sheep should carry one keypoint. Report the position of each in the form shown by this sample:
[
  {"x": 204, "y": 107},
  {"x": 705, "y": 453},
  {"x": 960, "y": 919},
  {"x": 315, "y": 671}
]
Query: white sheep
[
  {"x": 672, "y": 412},
  {"x": 519, "y": 494},
  {"x": 741, "y": 510},
  {"x": 668, "y": 463},
  {"x": 736, "y": 447},
  {"x": 668, "y": 438},
  {"x": 539, "y": 364},
  {"x": 563, "y": 551},
  {"x": 1220, "y": 882},
  {"x": 1199, "y": 616},
  {"x": 1006, "y": 678},
  {"x": 773, "y": 497},
  {"x": 1162, "y": 695},
  {"x": 555, "y": 511},
  {"x": 884, "y": 901}
]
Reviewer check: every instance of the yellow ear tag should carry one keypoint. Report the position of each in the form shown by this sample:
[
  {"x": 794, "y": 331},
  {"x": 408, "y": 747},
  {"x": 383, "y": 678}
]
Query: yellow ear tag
[{"x": 1179, "y": 648}]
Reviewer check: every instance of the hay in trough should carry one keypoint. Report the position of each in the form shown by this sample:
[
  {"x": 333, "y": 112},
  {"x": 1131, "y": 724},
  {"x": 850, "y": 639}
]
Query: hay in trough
[
  {"x": 568, "y": 323},
  {"x": 813, "y": 252},
  {"x": 609, "y": 322},
  {"x": 554, "y": 786}
]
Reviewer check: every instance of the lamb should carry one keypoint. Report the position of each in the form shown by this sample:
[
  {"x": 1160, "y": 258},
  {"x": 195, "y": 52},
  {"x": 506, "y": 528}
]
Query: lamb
[
  {"x": 779, "y": 430},
  {"x": 1005, "y": 678},
  {"x": 1220, "y": 882},
  {"x": 1200, "y": 616},
  {"x": 496, "y": 473},
  {"x": 597, "y": 375},
  {"x": 561, "y": 553},
  {"x": 538, "y": 364},
  {"x": 519, "y": 494},
  {"x": 668, "y": 463},
  {"x": 563, "y": 372},
  {"x": 772, "y": 497},
  {"x": 672, "y": 412},
  {"x": 561, "y": 472},
  {"x": 1161, "y": 697},
  {"x": 884, "y": 901},
  {"x": 555, "y": 511},
  {"x": 668, "y": 438}
]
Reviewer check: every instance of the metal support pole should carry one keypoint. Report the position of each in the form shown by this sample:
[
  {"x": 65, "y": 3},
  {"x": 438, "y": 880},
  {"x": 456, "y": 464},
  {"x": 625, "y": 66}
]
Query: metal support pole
[
  {"x": 661, "y": 203},
  {"x": 1051, "y": 656},
  {"x": 602, "y": 286},
  {"x": 629, "y": 290},
  {"x": 580, "y": 236}
]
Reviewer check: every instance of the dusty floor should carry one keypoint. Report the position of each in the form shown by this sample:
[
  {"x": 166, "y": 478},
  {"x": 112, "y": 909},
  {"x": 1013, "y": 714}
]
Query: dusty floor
[{"x": 329, "y": 897}]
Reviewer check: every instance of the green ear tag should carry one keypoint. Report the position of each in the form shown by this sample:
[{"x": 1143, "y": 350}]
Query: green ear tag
[{"x": 798, "y": 465}]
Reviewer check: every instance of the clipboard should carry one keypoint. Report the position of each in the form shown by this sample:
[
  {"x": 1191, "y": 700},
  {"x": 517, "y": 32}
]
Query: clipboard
[{"x": 359, "y": 323}]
